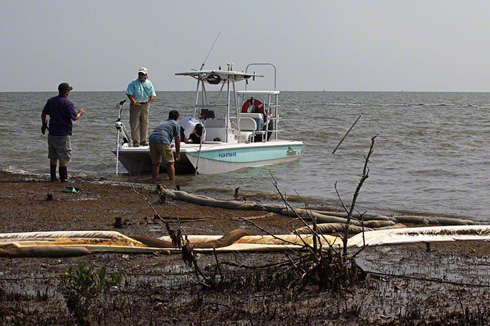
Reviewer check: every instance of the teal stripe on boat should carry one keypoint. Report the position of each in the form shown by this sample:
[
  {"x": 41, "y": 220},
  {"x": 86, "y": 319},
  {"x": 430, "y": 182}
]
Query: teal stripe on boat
[{"x": 251, "y": 154}]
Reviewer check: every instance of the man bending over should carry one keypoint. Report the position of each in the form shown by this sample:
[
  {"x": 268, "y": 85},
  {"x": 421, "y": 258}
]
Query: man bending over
[{"x": 160, "y": 149}]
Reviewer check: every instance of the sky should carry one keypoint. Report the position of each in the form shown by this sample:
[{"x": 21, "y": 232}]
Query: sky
[{"x": 375, "y": 45}]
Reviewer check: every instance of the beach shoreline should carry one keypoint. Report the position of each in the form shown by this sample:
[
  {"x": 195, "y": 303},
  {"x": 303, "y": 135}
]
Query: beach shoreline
[{"x": 162, "y": 289}]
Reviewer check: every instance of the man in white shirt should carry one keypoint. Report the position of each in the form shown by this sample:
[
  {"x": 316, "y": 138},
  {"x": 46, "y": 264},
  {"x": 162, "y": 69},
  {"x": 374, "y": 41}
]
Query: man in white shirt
[{"x": 191, "y": 129}]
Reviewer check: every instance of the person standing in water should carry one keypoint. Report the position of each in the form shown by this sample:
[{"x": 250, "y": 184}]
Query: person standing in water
[
  {"x": 61, "y": 113},
  {"x": 160, "y": 146}
]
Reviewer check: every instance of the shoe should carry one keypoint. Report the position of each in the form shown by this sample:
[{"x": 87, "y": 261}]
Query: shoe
[
  {"x": 136, "y": 145},
  {"x": 143, "y": 144},
  {"x": 63, "y": 170}
]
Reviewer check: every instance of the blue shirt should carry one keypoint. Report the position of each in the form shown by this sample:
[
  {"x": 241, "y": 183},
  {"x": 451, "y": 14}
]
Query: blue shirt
[
  {"x": 165, "y": 132},
  {"x": 141, "y": 91},
  {"x": 61, "y": 112}
]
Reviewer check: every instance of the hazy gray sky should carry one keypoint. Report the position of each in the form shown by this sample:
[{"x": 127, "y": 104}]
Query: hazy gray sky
[{"x": 375, "y": 45}]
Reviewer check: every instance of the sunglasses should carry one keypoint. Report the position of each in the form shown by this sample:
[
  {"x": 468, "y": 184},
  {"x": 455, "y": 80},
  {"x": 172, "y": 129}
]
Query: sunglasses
[{"x": 141, "y": 74}]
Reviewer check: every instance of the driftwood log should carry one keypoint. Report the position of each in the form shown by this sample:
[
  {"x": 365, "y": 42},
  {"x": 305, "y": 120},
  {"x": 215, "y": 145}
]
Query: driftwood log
[
  {"x": 332, "y": 228},
  {"x": 208, "y": 201},
  {"x": 328, "y": 228},
  {"x": 432, "y": 220},
  {"x": 320, "y": 216},
  {"x": 364, "y": 216},
  {"x": 394, "y": 226},
  {"x": 378, "y": 224}
]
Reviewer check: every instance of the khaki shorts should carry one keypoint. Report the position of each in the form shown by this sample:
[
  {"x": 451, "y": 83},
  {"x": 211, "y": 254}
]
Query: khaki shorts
[
  {"x": 161, "y": 153},
  {"x": 59, "y": 148}
]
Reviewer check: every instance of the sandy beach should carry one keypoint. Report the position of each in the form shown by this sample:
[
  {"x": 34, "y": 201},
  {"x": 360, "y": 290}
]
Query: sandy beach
[{"x": 404, "y": 285}]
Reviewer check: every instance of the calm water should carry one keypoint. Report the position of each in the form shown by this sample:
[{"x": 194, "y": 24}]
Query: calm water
[{"x": 431, "y": 154}]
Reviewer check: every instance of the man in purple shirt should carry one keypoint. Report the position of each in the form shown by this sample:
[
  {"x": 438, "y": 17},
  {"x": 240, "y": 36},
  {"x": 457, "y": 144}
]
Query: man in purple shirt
[{"x": 61, "y": 112}]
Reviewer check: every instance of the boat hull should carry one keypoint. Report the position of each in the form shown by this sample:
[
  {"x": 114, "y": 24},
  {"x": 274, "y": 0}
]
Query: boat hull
[
  {"x": 215, "y": 158},
  {"x": 235, "y": 157},
  {"x": 137, "y": 161}
]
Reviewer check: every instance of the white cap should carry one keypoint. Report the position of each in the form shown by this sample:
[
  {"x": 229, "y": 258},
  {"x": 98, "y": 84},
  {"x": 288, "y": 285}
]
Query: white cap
[{"x": 143, "y": 70}]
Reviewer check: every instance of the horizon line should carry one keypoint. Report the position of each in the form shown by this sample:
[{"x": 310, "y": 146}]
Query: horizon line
[{"x": 318, "y": 91}]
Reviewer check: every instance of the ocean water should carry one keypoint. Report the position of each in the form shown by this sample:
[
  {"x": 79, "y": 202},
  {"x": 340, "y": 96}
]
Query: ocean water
[{"x": 431, "y": 154}]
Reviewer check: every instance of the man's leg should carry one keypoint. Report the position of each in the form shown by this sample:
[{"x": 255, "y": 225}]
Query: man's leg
[
  {"x": 52, "y": 164},
  {"x": 155, "y": 168},
  {"x": 63, "y": 171},
  {"x": 64, "y": 157},
  {"x": 143, "y": 121},
  {"x": 156, "y": 159},
  {"x": 134, "y": 123},
  {"x": 171, "y": 172},
  {"x": 53, "y": 157}
]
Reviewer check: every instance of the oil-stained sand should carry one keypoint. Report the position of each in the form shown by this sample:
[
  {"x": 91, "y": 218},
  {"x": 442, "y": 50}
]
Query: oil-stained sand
[{"x": 449, "y": 285}]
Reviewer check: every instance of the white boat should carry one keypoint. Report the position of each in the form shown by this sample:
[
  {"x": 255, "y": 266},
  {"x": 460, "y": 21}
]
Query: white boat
[{"x": 242, "y": 128}]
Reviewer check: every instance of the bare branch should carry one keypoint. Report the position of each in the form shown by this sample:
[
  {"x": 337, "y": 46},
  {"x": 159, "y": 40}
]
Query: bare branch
[{"x": 365, "y": 175}]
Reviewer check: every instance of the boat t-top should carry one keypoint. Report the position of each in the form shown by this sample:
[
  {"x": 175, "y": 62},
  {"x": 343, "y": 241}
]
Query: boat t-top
[{"x": 242, "y": 127}]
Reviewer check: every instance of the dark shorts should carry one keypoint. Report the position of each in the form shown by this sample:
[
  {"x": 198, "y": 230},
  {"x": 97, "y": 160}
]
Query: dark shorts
[{"x": 59, "y": 148}]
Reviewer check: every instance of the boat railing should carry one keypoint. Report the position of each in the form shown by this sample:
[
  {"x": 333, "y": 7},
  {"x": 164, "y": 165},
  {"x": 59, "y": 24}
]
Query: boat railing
[
  {"x": 263, "y": 64},
  {"x": 248, "y": 128},
  {"x": 271, "y": 104},
  {"x": 269, "y": 128}
]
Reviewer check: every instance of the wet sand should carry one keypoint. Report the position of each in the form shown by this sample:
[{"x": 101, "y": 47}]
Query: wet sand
[{"x": 405, "y": 285}]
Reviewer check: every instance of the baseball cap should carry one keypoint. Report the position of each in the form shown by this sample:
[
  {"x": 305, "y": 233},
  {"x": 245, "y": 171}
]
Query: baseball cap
[
  {"x": 63, "y": 87},
  {"x": 143, "y": 70}
]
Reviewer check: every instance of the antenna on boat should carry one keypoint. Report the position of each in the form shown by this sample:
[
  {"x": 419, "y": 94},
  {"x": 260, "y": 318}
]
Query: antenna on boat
[{"x": 202, "y": 66}]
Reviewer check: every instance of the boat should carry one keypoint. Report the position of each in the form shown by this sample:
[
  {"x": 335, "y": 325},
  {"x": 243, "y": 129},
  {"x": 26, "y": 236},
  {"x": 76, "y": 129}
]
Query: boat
[{"x": 242, "y": 127}]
